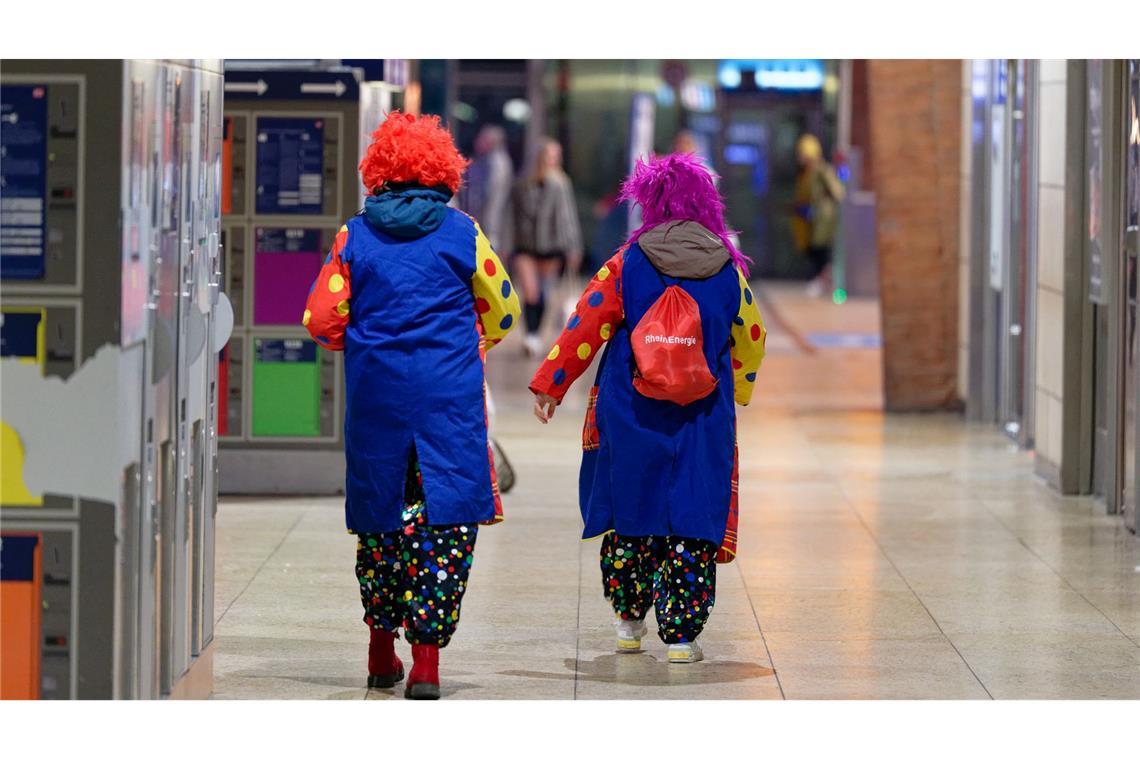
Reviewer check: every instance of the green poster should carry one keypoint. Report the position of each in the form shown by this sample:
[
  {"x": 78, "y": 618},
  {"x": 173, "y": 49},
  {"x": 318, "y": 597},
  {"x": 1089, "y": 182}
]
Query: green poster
[{"x": 286, "y": 388}]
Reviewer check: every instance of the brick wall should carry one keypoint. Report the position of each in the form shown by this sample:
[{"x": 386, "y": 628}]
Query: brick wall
[{"x": 915, "y": 131}]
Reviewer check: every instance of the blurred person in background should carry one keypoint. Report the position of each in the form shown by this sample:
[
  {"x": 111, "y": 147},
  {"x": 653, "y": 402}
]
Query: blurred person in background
[
  {"x": 815, "y": 211},
  {"x": 611, "y": 225},
  {"x": 487, "y": 191},
  {"x": 686, "y": 142},
  {"x": 546, "y": 236}
]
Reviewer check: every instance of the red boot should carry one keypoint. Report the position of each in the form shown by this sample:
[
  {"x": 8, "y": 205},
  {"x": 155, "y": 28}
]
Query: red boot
[
  {"x": 384, "y": 668},
  {"x": 423, "y": 681}
]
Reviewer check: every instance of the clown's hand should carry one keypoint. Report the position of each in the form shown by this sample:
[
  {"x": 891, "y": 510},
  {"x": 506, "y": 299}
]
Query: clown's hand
[{"x": 544, "y": 407}]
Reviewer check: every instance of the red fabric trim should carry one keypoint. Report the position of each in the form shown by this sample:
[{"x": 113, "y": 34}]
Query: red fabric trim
[
  {"x": 727, "y": 551},
  {"x": 487, "y": 420},
  {"x": 591, "y": 440}
]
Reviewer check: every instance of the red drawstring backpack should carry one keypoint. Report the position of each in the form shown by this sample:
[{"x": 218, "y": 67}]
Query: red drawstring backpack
[{"x": 668, "y": 350}]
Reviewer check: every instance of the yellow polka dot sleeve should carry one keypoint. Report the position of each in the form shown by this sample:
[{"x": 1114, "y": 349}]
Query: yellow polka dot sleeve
[
  {"x": 326, "y": 311},
  {"x": 496, "y": 302},
  {"x": 748, "y": 336}
]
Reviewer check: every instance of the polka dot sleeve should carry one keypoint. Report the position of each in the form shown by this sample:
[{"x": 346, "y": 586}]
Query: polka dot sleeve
[
  {"x": 495, "y": 299},
  {"x": 326, "y": 312},
  {"x": 748, "y": 336},
  {"x": 598, "y": 314}
]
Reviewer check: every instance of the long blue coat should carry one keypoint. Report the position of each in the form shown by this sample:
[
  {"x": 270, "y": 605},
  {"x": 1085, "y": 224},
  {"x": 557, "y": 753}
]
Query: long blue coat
[
  {"x": 409, "y": 313},
  {"x": 652, "y": 467}
]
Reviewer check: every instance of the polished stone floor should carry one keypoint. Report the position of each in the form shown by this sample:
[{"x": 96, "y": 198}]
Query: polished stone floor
[{"x": 882, "y": 557}]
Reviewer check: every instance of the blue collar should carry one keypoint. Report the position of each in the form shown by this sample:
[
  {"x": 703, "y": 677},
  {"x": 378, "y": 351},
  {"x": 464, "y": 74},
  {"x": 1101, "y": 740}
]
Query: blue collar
[{"x": 407, "y": 213}]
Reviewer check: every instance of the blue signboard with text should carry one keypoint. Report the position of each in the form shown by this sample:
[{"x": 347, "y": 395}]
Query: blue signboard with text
[
  {"x": 21, "y": 333},
  {"x": 286, "y": 351},
  {"x": 299, "y": 84},
  {"x": 290, "y": 165},
  {"x": 23, "y": 180}
]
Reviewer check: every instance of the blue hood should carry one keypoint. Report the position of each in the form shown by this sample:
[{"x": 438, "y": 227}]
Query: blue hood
[{"x": 407, "y": 213}]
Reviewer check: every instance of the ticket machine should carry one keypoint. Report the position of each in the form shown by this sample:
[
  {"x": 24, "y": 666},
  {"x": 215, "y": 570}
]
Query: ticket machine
[
  {"x": 112, "y": 318},
  {"x": 293, "y": 138}
]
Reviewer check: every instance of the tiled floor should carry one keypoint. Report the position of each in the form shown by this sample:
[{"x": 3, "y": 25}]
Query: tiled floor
[{"x": 881, "y": 557}]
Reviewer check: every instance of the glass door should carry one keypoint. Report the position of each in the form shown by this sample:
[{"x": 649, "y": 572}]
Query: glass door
[
  {"x": 1015, "y": 358},
  {"x": 1112, "y": 261},
  {"x": 1099, "y": 291}
]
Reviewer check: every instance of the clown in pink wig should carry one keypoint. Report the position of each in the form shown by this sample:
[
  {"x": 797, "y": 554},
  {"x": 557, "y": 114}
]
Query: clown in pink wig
[
  {"x": 659, "y": 476},
  {"x": 678, "y": 187}
]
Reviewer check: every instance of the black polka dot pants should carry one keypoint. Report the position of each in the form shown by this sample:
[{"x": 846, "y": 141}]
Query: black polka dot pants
[
  {"x": 676, "y": 576},
  {"x": 415, "y": 578}
]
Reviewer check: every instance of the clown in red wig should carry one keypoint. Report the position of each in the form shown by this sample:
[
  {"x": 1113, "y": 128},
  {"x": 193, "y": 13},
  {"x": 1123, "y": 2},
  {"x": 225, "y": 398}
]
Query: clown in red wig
[
  {"x": 406, "y": 150},
  {"x": 659, "y": 475},
  {"x": 413, "y": 295}
]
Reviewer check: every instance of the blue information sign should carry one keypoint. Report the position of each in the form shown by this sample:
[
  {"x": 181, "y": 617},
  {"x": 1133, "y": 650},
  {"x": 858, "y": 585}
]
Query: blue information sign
[
  {"x": 292, "y": 85},
  {"x": 287, "y": 240},
  {"x": 288, "y": 351},
  {"x": 19, "y": 334},
  {"x": 23, "y": 180},
  {"x": 290, "y": 165},
  {"x": 18, "y": 557}
]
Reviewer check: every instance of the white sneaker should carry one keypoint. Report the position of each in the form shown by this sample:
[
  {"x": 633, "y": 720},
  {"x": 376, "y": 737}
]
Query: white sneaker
[
  {"x": 533, "y": 345},
  {"x": 682, "y": 653},
  {"x": 629, "y": 633}
]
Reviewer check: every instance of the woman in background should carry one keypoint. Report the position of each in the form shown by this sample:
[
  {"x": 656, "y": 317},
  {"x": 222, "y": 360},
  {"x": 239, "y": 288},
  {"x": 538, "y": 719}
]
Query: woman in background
[
  {"x": 547, "y": 237},
  {"x": 486, "y": 193}
]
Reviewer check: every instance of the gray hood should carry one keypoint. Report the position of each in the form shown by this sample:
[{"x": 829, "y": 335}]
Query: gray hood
[{"x": 684, "y": 249}]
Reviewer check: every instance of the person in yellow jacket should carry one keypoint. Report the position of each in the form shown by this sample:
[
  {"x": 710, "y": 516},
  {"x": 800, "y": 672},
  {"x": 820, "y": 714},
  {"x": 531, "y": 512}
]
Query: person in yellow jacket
[{"x": 815, "y": 214}]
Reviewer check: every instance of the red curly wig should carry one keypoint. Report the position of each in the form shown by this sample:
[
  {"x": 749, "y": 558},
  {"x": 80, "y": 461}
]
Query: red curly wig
[{"x": 406, "y": 149}]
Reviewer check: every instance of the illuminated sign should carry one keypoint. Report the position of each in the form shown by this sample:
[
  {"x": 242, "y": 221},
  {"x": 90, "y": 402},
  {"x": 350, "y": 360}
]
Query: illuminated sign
[{"x": 799, "y": 74}]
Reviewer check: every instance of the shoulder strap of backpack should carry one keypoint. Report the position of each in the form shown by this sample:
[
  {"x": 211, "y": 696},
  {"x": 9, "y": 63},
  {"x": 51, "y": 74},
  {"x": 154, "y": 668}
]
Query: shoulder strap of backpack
[{"x": 664, "y": 282}]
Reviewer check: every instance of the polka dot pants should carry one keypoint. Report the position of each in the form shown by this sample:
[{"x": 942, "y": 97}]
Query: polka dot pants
[
  {"x": 415, "y": 578},
  {"x": 676, "y": 576}
]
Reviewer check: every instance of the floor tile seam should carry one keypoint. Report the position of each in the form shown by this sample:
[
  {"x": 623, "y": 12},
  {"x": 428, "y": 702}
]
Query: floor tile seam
[
  {"x": 882, "y": 549},
  {"x": 776, "y": 318},
  {"x": 578, "y": 629},
  {"x": 1055, "y": 572},
  {"x": 260, "y": 567},
  {"x": 760, "y": 629}
]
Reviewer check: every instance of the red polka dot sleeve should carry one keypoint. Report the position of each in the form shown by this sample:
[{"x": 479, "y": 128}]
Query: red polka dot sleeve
[
  {"x": 326, "y": 312},
  {"x": 597, "y": 316}
]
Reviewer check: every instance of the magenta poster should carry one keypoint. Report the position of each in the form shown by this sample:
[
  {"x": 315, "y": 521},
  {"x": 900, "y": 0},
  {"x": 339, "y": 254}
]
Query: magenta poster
[{"x": 286, "y": 261}]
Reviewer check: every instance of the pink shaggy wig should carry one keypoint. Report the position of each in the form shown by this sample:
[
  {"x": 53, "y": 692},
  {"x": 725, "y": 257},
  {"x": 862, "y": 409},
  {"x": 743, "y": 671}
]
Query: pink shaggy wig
[{"x": 677, "y": 187}]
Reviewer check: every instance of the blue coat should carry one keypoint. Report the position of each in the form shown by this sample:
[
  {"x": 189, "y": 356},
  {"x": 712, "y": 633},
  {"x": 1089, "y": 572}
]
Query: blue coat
[
  {"x": 414, "y": 374},
  {"x": 652, "y": 467},
  {"x": 662, "y": 469}
]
